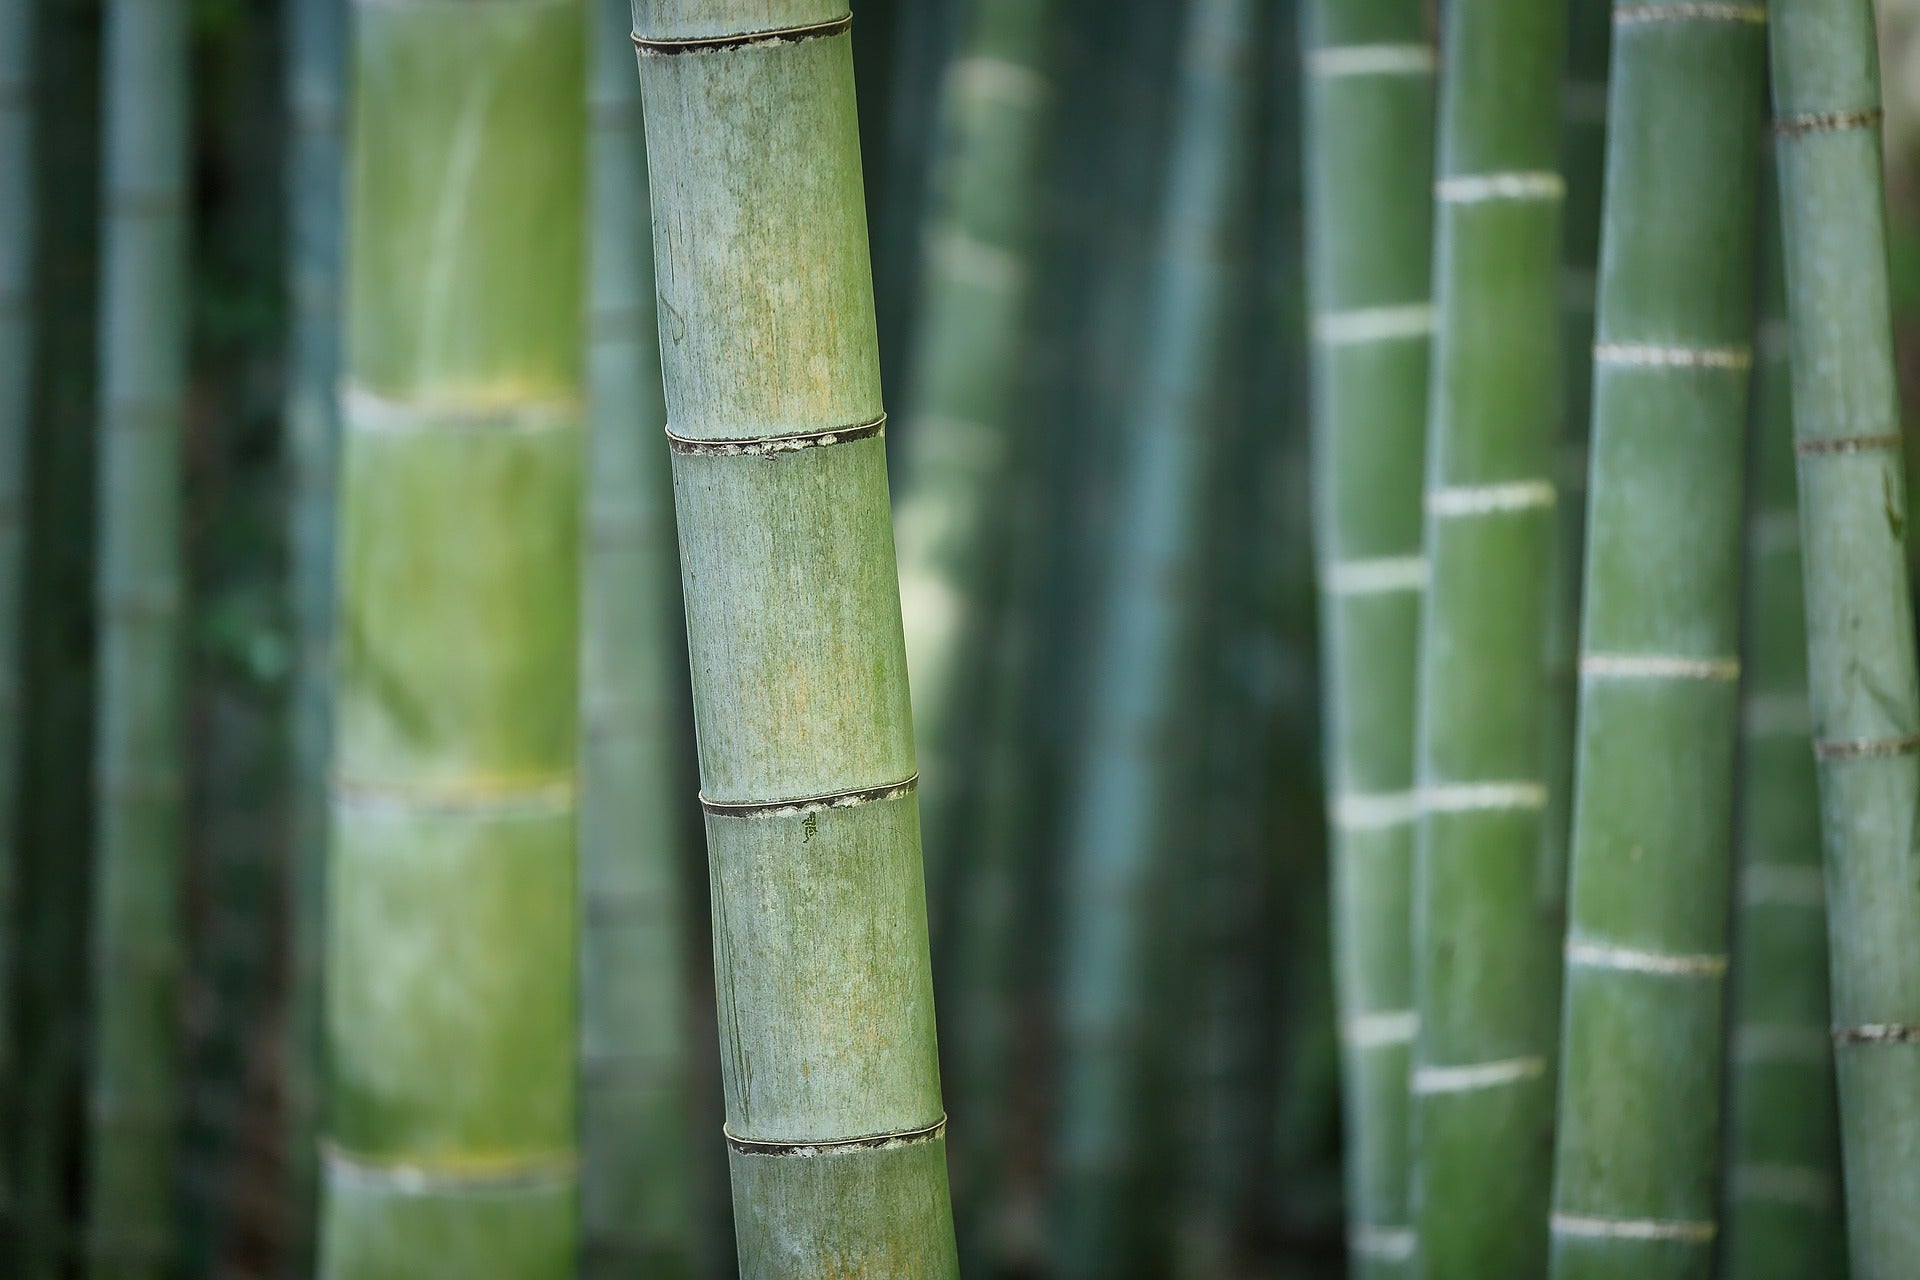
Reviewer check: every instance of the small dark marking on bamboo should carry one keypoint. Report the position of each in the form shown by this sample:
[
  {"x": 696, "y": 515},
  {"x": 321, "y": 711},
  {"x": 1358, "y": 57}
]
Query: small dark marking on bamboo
[
  {"x": 1878, "y": 1033},
  {"x": 651, "y": 47},
  {"x": 1827, "y": 122},
  {"x": 523, "y": 1173},
  {"x": 810, "y": 805},
  {"x": 1815, "y": 448},
  {"x": 869, "y": 1142},
  {"x": 770, "y": 446},
  {"x": 1866, "y": 748}
]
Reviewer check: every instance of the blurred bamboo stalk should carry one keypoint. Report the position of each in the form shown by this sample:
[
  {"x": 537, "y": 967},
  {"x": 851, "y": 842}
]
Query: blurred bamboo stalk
[
  {"x": 1781, "y": 1189},
  {"x": 1646, "y": 951},
  {"x": 637, "y": 1192},
  {"x": 1484, "y": 940},
  {"x": 452, "y": 949},
  {"x": 1859, "y": 608},
  {"x": 1370, "y": 102}
]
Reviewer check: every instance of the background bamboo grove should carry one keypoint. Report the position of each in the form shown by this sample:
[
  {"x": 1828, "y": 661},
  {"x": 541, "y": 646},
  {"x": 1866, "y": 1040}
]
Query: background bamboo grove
[{"x": 1209, "y": 639}]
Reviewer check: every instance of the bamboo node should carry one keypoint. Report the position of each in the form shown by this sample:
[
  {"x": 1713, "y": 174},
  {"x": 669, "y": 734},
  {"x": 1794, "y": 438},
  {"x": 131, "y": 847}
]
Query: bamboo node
[
  {"x": 1380, "y": 1030},
  {"x": 1490, "y": 499},
  {"x": 1878, "y": 1033},
  {"x": 1375, "y": 324},
  {"x": 1665, "y": 964},
  {"x": 1375, "y": 811},
  {"x": 1372, "y": 60},
  {"x": 1646, "y": 355},
  {"x": 671, "y": 46},
  {"x": 770, "y": 446},
  {"x": 1819, "y": 447},
  {"x": 1827, "y": 122},
  {"x": 1866, "y": 748},
  {"x": 1477, "y": 188},
  {"x": 834, "y": 1146},
  {"x": 1657, "y": 666},
  {"x": 1483, "y": 797},
  {"x": 807, "y": 805},
  {"x": 1595, "y": 1227},
  {"x": 1375, "y": 576},
  {"x": 1393, "y": 1244},
  {"x": 532, "y": 1171},
  {"x": 1629, "y": 14},
  {"x": 1474, "y": 1076}
]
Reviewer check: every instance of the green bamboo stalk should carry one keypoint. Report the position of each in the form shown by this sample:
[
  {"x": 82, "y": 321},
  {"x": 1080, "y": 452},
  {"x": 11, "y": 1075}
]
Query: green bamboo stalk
[
  {"x": 1646, "y": 951},
  {"x": 1129, "y": 790},
  {"x": 1370, "y": 224},
  {"x": 1866, "y": 713},
  {"x": 1483, "y": 941},
  {"x": 1781, "y": 1191},
  {"x": 138, "y": 935},
  {"x": 315, "y": 87},
  {"x": 834, "y": 1117},
  {"x": 637, "y": 1199},
  {"x": 451, "y": 952}
]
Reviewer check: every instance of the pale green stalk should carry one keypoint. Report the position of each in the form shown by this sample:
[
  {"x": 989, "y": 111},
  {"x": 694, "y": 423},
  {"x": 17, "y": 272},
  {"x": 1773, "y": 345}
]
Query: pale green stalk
[
  {"x": 452, "y": 895},
  {"x": 1369, "y": 76},
  {"x": 1483, "y": 938},
  {"x": 1860, "y": 637},
  {"x": 776, "y": 428}
]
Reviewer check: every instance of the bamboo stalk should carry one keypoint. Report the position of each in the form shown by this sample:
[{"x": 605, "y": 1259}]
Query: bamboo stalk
[
  {"x": 1483, "y": 940},
  {"x": 776, "y": 429},
  {"x": 1369, "y": 76},
  {"x": 138, "y": 935},
  {"x": 452, "y": 893},
  {"x": 1142, "y": 651},
  {"x": 637, "y": 1189},
  {"x": 1781, "y": 1189},
  {"x": 1866, "y": 713},
  {"x": 1647, "y": 933}
]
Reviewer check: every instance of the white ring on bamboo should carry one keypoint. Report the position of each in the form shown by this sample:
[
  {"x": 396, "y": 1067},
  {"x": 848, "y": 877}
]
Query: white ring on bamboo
[
  {"x": 1653, "y": 355},
  {"x": 1373, "y": 60},
  {"x": 1375, "y": 811},
  {"x": 1477, "y": 1075},
  {"x": 1478, "y": 188},
  {"x": 973, "y": 261},
  {"x": 999, "y": 80},
  {"x": 1783, "y": 1184},
  {"x": 1483, "y": 797},
  {"x": 1776, "y": 1043},
  {"x": 1378, "y": 1030},
  {"x": 1629, "y": 14},
  {"x": 1375, "y": 577},
  {"x": 369, "y": 411},
  {"x": 1772, "y": 885},
  {"x": 1664, "y": 964},
  {"x": 552, "y": 1168},
  {"x": 1375, "y": 324},
  {"x": 1394, "y": 1244},
  {"x": 1657, "y": 666},
  {"x": 1592, "y": 1227},
  {"x": 1490, "y": 499},
  {"x": 542, "y": 798}
]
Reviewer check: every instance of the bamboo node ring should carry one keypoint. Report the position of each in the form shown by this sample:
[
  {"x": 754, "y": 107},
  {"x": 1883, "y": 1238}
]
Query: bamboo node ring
[
  {"x": 1817, "y": 448},
  {"x": 1878, "y": 1033},
  {"x": 1866, "y": 748},
  {"x": 671, "y": 46},
  {"x": 1827, "y": 122},
  {"x": 833, "y": 1146},
  {"x": 805, "y": 805},
  {"x": 770, "y": 446},
  {"x": 1629, "y": 14}
]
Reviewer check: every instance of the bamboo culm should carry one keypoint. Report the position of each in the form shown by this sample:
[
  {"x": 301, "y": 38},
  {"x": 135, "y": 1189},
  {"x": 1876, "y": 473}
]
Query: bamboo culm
[
  {"x": 452, "y": 895},
  {"x": 1483, "y": 934},
  {"x": 1370, "y": 199},
  {"x": 776, "y": 429},
  {"x": 637, "y": 1190},
  {"x": 1646, "y": 950},
  {"x": 1780, "y": 1191},
  {"x": 1859, "y": 608},
  {"x": 1128, "y": 797},
  {"x": 137, "y": 932}
]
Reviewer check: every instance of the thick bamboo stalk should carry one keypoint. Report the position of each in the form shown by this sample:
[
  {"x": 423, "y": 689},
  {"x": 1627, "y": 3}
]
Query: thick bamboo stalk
[
  {"x": 1128, "y": 792},
  {"x": 1483, "y": 939},
  {"x": 1866, "y": 713},
  {"x": 139, "y": 779},
  {"x": 452, "y": 895},
  {"x": 1780, "y": 1192},
  {"x": 776, "y": 429},
  {"x": 637, "y": 1189},
  {"x": 1369, "y": 76},
  {"x": 315, "y": 88},
  {"x": 1646, "y": 951}
]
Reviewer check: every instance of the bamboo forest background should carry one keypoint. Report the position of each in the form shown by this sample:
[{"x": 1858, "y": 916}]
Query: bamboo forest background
[{"x": 1087, "y": 226}]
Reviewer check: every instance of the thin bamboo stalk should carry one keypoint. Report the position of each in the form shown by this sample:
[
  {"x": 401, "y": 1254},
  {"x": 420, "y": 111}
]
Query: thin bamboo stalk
[
  {"x": 834, "y": 1116},
  {"x": 637, "y": 1199},
  {"x": 1780, "y": 1193},
  {"x": 1369, "y": 78},
  {"x": 138, "y": 935},
  {"x": 1646, "y": 952},
  {"x": 452, "y": 893},
  {"x": 1483, "y": 940},
  {"x": 1143, "y": 651},
  {"x": 1866, "y": 711}
]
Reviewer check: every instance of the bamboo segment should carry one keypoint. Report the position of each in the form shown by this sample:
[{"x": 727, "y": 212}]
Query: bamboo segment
[
  {"x": 828, "y": 1053},
  {"x": 637, "y": 1201},
  {"x": 1647, "y": 940},
  {"x": 138, "y": 945},
  {"x": 1781, "y": 1189},
  {"x": 1129, "y": 787},
  {"x": 1866, "y": 713},
  {"x": 452, "y": 896},
  {"x": 1370, "y": 192},
  {"x": 1483, "y": 939},
  {"x": 965, "y": 388}
]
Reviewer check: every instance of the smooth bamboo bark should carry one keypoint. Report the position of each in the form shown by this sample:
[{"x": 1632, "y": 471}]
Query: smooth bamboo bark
[
  {"x": 139, "y": 779},
  {"x": 776, "y": 430},
  {"x": 452, "y": 896},
  {"x": 1646, "y": 952},
  {"x": 637, "y": 1190},
  {"x": 1129, "y": 793},
  {"x": 1860, "y": 638},
  {"x": 1370, "y": 96},
  {"x": 1483, "y": 937},
  {"x": 315, "y": 87},
  {"x": 1780, "y": 1192}
]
